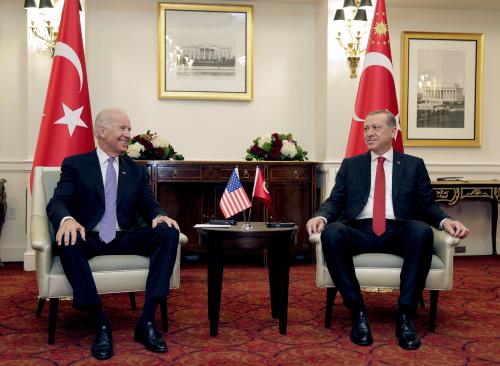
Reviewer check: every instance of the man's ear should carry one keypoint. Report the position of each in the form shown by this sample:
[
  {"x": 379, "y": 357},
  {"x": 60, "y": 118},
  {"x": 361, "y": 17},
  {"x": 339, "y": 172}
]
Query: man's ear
[
  {"x": 101, "y": 131},
  {"x": 394, "y": 132}
]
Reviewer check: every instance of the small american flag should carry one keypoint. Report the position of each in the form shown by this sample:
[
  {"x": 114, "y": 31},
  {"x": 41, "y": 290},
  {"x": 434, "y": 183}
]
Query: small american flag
[{"x": 234, "y": 199}]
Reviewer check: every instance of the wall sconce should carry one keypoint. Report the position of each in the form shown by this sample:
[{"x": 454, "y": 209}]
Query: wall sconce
[
  {"x": 45, "y": 25},
  {"x": 353, "y": 17}
]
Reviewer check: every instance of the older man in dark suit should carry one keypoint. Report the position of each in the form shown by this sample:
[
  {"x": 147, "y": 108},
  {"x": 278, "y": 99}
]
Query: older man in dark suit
[
  {"x": 382, "y": 201},
  {"x": 103, "y": 204}
]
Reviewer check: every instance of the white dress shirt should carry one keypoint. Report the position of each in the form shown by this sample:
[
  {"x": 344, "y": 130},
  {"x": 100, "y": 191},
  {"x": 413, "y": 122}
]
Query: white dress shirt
[
  {"x": 367, "y": 211},
  {"x": 103, "y": 164}
]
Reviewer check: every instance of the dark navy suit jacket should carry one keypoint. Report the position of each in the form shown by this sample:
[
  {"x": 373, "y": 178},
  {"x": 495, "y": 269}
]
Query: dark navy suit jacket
[
  {"x": 412, "y": 195},
  {"x": 80, "y": 193}
]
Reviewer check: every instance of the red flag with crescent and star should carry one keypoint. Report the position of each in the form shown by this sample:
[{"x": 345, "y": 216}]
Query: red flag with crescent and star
[
  {"x": 260, "y": 190},
  {"x": 376, "y": 89},
  {"x": 66, "y": 126}
]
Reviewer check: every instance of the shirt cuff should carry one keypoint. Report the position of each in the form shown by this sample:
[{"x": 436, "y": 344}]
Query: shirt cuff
[
  {"x": 442, "y": 221},
  {"x": 324, "y": 219},
  {"x": 64, "y": 219}
]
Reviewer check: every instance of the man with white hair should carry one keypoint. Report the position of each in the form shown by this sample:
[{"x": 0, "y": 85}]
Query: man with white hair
[{"x": 97, "y": 209}]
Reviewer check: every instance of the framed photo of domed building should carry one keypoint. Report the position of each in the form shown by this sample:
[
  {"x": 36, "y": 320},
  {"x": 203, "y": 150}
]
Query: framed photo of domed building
[
  {"x": 441, "y": 88},
  {"x": 205, "y": 51}
]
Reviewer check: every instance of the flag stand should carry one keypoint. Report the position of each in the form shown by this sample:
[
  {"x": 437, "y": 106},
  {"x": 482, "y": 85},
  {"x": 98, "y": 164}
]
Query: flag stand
[{"x": 246, "y": 224}]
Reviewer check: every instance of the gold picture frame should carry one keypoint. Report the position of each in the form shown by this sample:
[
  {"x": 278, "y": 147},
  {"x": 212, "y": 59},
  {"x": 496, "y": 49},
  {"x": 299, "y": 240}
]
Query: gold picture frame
[
  {"x": 441, "y": 88},
  {"x": 205, "y": 51}
]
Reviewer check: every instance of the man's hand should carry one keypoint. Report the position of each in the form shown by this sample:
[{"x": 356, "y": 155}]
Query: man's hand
[
  {"x": 67, "y": 232},
  {"x": 456, "y": 228},
  {"x": 315, "y": 225},
  {"x": 167, "y": 220}
]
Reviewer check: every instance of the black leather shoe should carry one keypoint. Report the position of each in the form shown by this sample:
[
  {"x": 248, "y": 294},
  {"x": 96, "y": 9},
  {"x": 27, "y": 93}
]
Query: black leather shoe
[
  {"x": 406, "y": 333},
  {"x": 102, "y": 348},
  {"x": 361, "y": 333},
  {"x": 149, "y": 336}
]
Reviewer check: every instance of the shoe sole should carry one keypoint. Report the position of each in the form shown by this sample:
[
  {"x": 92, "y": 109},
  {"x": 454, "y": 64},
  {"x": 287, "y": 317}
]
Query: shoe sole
[
  {"x": 102, "y": 358},
  {"x": 139, "y": 339},
  {"x": 367, "y": 343}
]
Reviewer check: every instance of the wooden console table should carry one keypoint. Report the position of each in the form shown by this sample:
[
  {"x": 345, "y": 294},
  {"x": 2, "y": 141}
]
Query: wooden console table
[
  {"x": 451, "y": 192},
  {"x": 190, "y": 192}
]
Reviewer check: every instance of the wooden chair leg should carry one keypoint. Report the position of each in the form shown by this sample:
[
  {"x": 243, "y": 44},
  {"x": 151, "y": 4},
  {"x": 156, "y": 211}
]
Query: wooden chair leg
[
  {"x": 164, "y": 313},
  {"x": 421, "y": 301},
  {"x": 331, "y": 292},
  {"x": 39, "y": 308},
  {"x": 433, "y": 310},
  {"x": 131, "y": 296},
  {"x": 53, "y": 305}
]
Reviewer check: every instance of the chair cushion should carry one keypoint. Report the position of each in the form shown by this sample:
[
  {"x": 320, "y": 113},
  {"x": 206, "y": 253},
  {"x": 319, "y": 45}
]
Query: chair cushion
[
  {"x": 383, "y": 260},
  {"x": 108, "y": 263}
]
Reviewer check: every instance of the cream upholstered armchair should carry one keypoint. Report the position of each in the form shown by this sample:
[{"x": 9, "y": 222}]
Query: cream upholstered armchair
[
  {"x": 380, "y": 270},
  {"x": 112, "y": 273}
]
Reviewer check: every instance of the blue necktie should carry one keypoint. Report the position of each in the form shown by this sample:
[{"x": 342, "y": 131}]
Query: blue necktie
[{"x": 107, "y": 227}]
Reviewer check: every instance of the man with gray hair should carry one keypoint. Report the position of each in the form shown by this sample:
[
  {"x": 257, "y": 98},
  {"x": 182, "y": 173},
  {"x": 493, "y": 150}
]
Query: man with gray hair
[
  {"x": 367, "y": 212},
  {"x": 95, "y": 211}
]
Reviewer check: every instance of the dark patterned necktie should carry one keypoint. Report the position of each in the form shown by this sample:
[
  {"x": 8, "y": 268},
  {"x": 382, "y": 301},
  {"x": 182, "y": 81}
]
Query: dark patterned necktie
[{"x": 107, "y": 226}]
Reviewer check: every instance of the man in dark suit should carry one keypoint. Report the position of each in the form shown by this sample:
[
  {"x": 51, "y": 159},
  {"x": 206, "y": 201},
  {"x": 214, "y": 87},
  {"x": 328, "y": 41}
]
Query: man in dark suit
[
  {"x": 103, "y": 204},
  {"x": 382, "y": 202}
]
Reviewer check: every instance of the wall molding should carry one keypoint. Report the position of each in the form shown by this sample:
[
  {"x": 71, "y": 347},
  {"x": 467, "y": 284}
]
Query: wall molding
[{"x": 15, "y": 165}]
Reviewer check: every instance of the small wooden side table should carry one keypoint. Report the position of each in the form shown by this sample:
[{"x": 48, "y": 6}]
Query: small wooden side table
[{"x": 277, "y": 241}]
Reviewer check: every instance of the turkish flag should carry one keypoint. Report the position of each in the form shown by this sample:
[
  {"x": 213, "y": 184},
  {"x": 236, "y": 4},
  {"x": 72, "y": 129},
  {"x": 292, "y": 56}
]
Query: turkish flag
[
  {"x": 66, "y": 127},
  {"x": 376, "y": 88},
  {"x": 260, "y": 190}
]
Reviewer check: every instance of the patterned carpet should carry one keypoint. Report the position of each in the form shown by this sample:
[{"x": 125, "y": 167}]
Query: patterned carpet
[{"x": 467, "y": 328}]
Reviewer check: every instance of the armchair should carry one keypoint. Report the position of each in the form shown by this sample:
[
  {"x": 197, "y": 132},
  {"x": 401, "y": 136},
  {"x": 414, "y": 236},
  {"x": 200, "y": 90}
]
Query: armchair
[
  {"x": 381, "y": 270},
  {"x": 112, "y": 273}
]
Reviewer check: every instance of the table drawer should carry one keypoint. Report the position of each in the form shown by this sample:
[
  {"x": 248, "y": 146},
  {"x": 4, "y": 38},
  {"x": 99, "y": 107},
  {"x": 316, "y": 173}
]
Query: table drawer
[
  {"x": 289, "y": 173},
  {"x": 247, "y": 173},
  {"x": 180, "y": 172}
]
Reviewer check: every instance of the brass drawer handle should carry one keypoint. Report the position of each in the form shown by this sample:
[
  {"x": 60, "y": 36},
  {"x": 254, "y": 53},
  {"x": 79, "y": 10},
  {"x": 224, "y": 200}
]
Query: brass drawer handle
[
  {"x": 245, "y": 174},
  {"x": 295, "y": 174},
  {"x": 174, "y": 174}
]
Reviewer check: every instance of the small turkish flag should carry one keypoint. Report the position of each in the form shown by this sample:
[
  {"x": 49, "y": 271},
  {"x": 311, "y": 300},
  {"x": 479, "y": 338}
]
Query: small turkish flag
[
  {"x": 260, "y": 190},
  {"x": 376, "y": 88},
  {"x": 66, "y": 126}
]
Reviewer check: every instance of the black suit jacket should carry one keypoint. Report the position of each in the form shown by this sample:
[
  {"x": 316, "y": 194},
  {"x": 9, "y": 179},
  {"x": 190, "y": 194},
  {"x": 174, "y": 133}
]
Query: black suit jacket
[
  {"x": 412, "y": 195},
  {"x": 80, "y": 193}
]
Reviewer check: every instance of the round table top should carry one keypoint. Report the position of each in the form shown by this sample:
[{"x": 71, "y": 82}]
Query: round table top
[{"x": 257, "y": 227}]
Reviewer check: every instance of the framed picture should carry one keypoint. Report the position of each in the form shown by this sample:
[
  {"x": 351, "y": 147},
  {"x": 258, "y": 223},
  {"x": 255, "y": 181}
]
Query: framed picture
[
  {"x": 205, "y": 51},
  {"x": 441, "y": 89}
]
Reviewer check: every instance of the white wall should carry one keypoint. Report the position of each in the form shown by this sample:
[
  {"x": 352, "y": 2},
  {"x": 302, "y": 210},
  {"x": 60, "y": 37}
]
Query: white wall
[
  {"x": 13, "y": 126},
  {"x": 122, "y": 71}
]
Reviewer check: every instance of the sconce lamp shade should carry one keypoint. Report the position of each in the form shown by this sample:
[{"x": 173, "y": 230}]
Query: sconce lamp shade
[
  {"x": 361, "y": 15},
  {"x": 339, "y": 15},
  {"x": 365, "y": 3},
  {"x": 45, "y": 4},
  {"x": 350, "y": 4},
  {"x": 29, "y": 4}
]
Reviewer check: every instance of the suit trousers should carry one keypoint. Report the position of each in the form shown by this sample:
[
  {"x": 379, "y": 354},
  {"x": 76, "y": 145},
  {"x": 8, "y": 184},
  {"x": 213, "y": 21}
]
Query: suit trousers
[
  {"x": 159, "y": 244},
  {"x": 412, "y": 240}
]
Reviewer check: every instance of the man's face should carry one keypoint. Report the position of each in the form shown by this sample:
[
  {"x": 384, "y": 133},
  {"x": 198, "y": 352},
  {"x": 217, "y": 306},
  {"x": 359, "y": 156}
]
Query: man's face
[
  {"x": 114, "y": 138},
  {"x": 378, "y": 134}
]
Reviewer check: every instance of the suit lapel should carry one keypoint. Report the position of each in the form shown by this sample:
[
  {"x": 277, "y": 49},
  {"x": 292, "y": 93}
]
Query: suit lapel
[
  {"x": 123, "y": 176},
  {"x": 96, "y": 175},
  {"x": 397, "y": 171}
]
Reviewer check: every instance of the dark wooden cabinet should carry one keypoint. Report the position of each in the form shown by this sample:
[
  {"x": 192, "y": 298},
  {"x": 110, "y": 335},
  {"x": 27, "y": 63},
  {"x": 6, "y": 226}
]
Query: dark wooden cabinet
[{"x": 190, "y": 191}]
